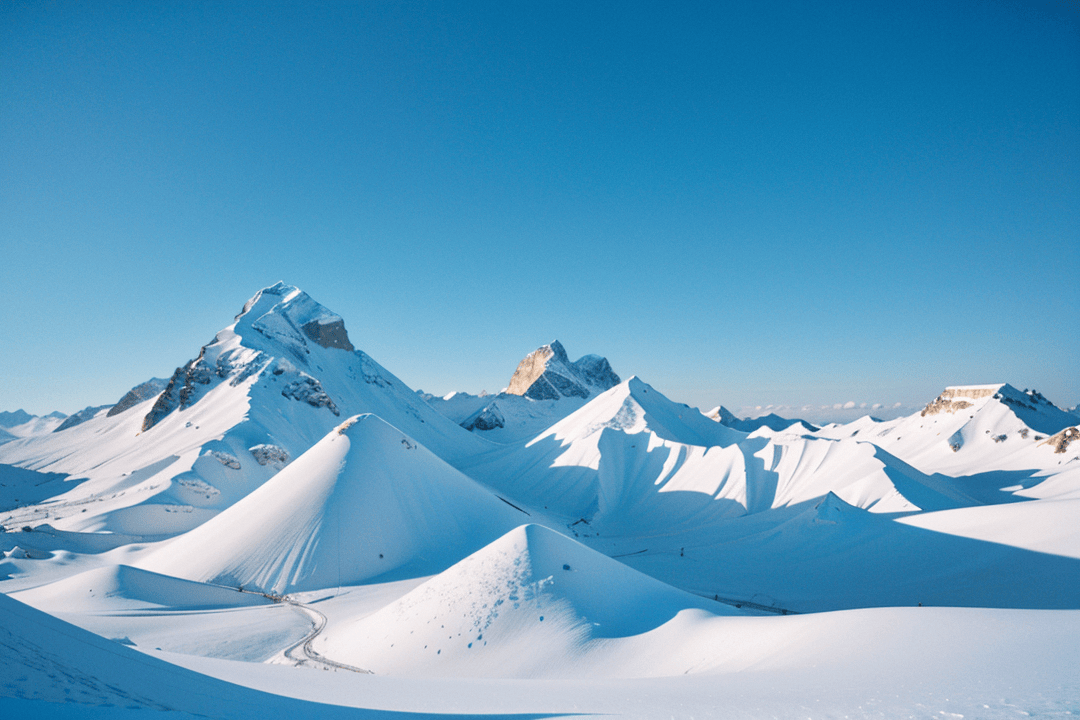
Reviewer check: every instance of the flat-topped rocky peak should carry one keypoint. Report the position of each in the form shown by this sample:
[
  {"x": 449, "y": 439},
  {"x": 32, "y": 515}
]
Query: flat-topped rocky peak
[
  {"x": 959, "y": 397},
  {"x": 547, "y": 374}
]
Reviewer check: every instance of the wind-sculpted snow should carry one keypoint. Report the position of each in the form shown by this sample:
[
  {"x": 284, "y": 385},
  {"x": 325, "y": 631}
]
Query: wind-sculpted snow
[
  {"x": 531, "y": 604},
  {"x": 366, "y": 501}
]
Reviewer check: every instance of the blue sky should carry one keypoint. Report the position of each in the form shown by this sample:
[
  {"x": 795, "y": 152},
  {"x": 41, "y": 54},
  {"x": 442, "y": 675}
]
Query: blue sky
[{"x": 742, "y": 203}]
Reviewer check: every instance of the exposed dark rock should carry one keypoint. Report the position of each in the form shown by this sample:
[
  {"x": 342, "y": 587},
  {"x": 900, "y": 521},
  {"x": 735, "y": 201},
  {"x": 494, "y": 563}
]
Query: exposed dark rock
[
  {"x": 270, "y": 455},
  {"x": 487, "y": 418},
  {"x": 137, "y": 394},
  {"x": 329, "y": 335},
  {"x": 596, "y": 371},
  {"x": 308, "y": 389},
  {"x": 181, "y": 392}
]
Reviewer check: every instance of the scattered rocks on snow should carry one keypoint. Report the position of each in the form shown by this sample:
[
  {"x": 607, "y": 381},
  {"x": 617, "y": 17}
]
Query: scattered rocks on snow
[
  {"x": 308, "y": 389},
  {"x": 225, "y": 459},
  {"x": 270, "y": 455}
]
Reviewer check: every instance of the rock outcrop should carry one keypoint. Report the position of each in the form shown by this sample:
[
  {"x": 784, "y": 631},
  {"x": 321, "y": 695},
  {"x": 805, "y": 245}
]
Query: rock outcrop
[
  {"x": 959, "y": 397},
  {"x": 1061, "y": 441},
  {"x": 329, "y": 334},
  {"x": 137, "y": 394},
  {"x": 547, "y": 374}
]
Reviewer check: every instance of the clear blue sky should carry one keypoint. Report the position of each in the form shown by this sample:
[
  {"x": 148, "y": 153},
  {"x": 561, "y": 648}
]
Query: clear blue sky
[{"x": 742, "y": 203}]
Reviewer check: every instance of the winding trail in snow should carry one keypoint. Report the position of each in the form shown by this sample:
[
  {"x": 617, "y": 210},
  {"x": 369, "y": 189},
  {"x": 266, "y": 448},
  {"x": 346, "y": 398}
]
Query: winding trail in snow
[
  {"x": 318, "y": 623},
  {"x": 309, "y": 656}
]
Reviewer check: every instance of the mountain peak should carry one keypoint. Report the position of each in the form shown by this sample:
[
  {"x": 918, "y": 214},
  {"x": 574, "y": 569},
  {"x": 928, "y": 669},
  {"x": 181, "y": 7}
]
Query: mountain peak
[
  {"x": 633, "y": 406},
  {"x": 1029, "y": 406},
  {"x": 285, "y": 312},
  {"x": 278, "y": 321},
  {"x": 547, "y": 374}
]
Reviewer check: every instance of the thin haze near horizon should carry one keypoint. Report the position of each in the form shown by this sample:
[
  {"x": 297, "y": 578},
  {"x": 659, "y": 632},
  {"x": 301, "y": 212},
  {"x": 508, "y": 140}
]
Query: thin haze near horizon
[{"x": 753, "y": 204}]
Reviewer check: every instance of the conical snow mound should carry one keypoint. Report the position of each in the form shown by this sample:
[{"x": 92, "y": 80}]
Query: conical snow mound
[
  {"x": 365, "y": 501},
  {"x": 520, "y": 607},
  {"x": 634, "y": 406}
]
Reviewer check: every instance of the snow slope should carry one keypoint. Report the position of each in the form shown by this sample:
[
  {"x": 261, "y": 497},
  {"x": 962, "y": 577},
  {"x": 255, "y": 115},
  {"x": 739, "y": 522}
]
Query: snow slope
[
  {"x": 828, "y": 555},
  {"x": 631, "y": 462},
  {"x": 121, "y": 587},
  {"x": 532, "y": 604},
  {"x": 366, "y": 501}
]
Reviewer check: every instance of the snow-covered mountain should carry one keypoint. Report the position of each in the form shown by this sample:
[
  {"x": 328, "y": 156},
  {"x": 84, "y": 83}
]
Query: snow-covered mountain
[
  {"x": 267, "y": 388},
  {"x": 19, "y": 424},
  {"x": 547, "y": 374},
  {"x": 545, "y": 388},
  {"x": 284, "y": 499},
  {"x": 967, "y": 429}
]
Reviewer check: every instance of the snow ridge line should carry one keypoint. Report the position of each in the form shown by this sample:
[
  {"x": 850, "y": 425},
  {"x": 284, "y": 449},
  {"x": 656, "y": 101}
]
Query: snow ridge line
[{"x": 773, "y": 609}]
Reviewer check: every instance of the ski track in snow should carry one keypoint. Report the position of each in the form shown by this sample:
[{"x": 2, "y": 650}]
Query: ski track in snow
[{"x": 310, "y": 656}]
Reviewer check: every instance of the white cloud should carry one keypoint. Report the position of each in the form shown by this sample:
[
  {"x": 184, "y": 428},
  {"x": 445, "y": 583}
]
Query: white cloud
[
  {"x": 837, "y": 406},
  {"x": 876, "y": 406},
  {"x": 862, "y": 405},
  {"x": 849, "y": 404},
  {"x": 896, "y": 405}
]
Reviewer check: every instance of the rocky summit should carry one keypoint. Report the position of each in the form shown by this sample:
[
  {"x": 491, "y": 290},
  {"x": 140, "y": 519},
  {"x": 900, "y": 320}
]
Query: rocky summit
[{"x": 547, "y": 374}]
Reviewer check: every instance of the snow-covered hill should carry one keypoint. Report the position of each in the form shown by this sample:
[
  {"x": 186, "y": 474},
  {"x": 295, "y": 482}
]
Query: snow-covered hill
[
  {"x": 531, "y": 604},
  {"x": 366, "y": 501}
]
